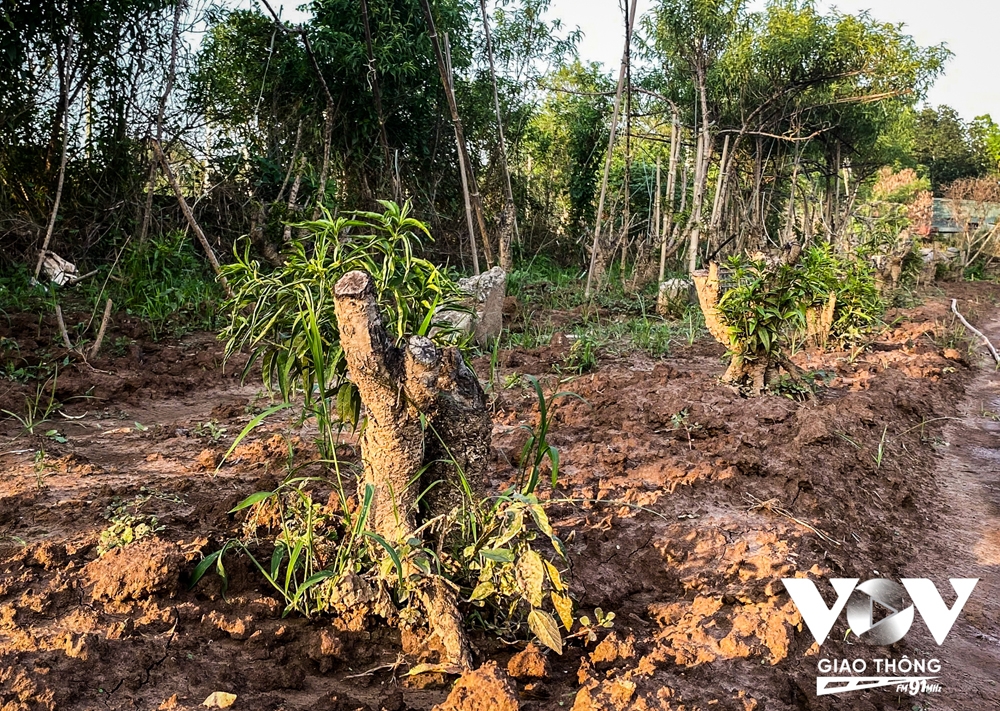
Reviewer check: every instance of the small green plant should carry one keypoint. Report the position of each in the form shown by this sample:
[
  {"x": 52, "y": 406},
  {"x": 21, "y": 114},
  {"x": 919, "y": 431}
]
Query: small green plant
[
  {"x": 315, "y": 545},
  {"x": 582, "y": 356},
  {"x": 42, "y": 468},
  {"x": 880, "y": 452},
  {"x": 512, "y": 380},
  {"x": 514, "y": 583},
  {"x": 602, "y": 621},
  {"x": 210, "y": 430},
  {"x": 537, "y": 448},
  {"x": 38, "y": 409},
  {"x": 859, "y": 305},
  {"x": 762, "y": 305},
  {"x": 652, "y": 335},
  {"x": 120, "y": 346},
  {"x": 682, "y": 421},
  {"x": 126, "y": 525},
  {"x": 168, "y": 285}
]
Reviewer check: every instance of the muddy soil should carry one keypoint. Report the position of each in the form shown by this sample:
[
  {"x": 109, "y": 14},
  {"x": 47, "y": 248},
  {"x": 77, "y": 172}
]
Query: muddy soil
[{"x": 682, "y": 506}]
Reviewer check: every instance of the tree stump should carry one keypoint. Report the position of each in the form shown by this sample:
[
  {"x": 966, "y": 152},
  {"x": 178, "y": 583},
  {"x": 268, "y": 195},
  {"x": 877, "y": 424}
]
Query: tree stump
[
  {"x": 427, "y": 437},
  {"x": 748, "y": 372}
]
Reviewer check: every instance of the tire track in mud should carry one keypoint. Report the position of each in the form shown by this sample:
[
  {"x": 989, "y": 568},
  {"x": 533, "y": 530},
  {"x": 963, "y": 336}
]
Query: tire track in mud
[{"x": 966, "y": 543}]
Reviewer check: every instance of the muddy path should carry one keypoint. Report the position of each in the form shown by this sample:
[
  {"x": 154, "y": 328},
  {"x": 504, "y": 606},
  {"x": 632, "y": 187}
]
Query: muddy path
[
  {"x": 682, "y": 506},
  {"x": 962, "y": 539}
]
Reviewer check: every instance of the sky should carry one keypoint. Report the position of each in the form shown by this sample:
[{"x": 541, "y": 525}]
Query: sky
[{"x": 970, "y": 83}]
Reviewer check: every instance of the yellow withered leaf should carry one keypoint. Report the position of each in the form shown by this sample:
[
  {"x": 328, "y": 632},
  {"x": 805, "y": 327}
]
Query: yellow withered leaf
[
  {"x": 564, "y": 606},
  {"x": 219, "y": 700},
  {"x": 545, "y": 628}
]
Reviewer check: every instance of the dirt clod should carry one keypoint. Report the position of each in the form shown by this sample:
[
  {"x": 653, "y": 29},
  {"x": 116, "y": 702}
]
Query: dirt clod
[
  {"x": 485, "y": 689},
  {"x": 529, "y": 663},
  {"x": 136, "y": 572}
]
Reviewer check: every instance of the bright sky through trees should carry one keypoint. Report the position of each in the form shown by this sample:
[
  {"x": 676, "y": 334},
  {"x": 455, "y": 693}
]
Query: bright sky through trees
[
  {"x": 968, "y": 27},
  {"x": 969, "y": 82}
]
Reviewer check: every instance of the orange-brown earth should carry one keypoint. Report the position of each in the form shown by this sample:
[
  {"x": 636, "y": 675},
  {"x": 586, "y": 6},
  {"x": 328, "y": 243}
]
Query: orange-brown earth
[{"x": 681, "y": 503}]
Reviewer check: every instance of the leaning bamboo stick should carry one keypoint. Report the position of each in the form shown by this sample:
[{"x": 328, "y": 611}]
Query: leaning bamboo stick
[
  {"x": 100, "y": 332},
  {"x": 62, "y": 328},
  {"x": 993, "y": 351},
  {"x": 189, "y": 216}
]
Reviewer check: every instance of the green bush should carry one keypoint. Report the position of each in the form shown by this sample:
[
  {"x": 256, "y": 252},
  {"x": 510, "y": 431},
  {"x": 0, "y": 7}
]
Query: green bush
[
  {"x": 285, "y": 318},
  {"x": 859, "y": 305}
]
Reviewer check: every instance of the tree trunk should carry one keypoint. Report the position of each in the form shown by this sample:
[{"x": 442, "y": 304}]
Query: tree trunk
[
  {"x": 656, "y": 235},
  {"x": 509, "y": 219},
  {"x": 611, "y": 145},
  {"x": 160, "y": 111},
  {"x": 59, "y": 189},
  {"x": 720, "y": 189},
  {"x": 671, "y": 177},
  {"x": 463, "y": 171},
  {"x": 438, "y": 461}
]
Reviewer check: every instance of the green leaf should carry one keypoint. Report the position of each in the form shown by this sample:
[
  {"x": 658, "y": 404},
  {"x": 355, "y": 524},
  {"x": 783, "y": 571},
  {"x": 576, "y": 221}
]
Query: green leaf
[
  {"x": 541, "y": 519},
  {"x": 554, "y": 577},
  {"x": 498, "y": 555},
  {"x": 545, "y": 628},
  {"x": 251, "y": 426},
  {"x": 554, "y": 458},
  {"x": 276, "y": 558},
  {"x": 482, "y": 591},
  {"x": 348, "y": 404},
  {"x": 390, "y": 550},
  {"x": 206, "y": 563},
  {"x": 251, "y": 500},
  {"x": 311, "y": 581}
]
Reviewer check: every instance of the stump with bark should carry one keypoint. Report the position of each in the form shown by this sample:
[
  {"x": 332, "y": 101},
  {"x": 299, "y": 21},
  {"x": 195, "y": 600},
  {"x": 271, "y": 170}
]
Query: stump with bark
[
  {"x": 749, "y": 372},
  {"x": 427, "y": 437}
]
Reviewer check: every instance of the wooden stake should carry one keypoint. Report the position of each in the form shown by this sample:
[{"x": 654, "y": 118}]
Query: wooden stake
[
  {"x": 101, "y": 330},
  {"x": 62, "y": 328}
]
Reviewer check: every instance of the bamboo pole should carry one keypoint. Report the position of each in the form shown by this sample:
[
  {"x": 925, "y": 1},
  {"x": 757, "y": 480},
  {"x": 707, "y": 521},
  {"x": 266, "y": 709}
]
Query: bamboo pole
[
  {"x": 611, "y": 145},
  {"x": 463, "y": 169},
  {"x": 445, "y": 73},
  {"x": 671, "y": 186}
]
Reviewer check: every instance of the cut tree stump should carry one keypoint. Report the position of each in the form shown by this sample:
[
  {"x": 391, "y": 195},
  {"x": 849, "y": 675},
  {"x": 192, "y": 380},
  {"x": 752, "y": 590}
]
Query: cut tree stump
[{"x": 427, "y": 437}]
